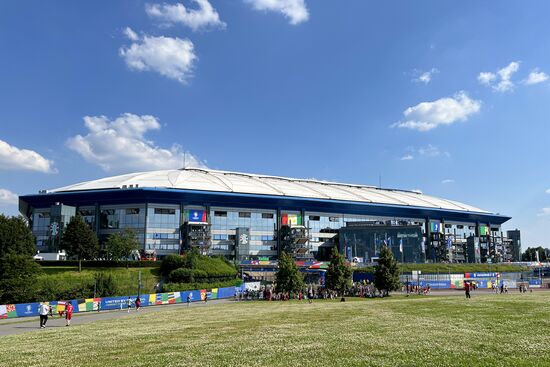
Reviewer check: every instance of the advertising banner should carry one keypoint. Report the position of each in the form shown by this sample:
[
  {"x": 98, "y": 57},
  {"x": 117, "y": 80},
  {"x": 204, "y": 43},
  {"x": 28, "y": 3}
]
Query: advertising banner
[
  {"x": 196, "y": 216},
  {"x": 27, "y": 309},
  {"x": 3, "y": 312}
]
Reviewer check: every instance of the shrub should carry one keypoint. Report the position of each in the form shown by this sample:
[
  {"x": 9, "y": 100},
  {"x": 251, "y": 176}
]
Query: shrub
[
  {"x": 171, "y": 262},
  {"x": 177, "y": 287}
]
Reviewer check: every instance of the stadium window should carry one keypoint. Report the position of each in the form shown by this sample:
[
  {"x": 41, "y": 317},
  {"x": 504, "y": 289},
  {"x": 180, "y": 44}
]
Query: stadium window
[
  {"x": 314, "y": 217},
  {"x": 131, "y": 211},
  {"x": 333, "y": 219},
  {"x": 220, "y": 214},
  {"x": 244, "y": 214},
  {"x": 267, "y": 215},
  {"x": 166, "y": 211}
]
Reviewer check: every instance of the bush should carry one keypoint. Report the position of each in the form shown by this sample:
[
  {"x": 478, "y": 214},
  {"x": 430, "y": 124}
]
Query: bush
[
  {"x": 18, "y": 274},
  {"x": 171, "y": 262}
]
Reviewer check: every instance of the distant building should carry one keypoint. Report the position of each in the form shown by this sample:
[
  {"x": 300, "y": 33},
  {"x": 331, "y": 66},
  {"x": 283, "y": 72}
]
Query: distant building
[
  {"x": 515, "y": 236},
  {"x": 249, "y": 217}
]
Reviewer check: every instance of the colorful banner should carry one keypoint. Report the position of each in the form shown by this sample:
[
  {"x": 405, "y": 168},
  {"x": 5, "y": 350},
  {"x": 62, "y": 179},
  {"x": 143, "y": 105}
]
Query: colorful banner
[
  {"x": 114, "y": 303},
  {"x": 291, "y": 220},
  {"x": 196, "y": 216},
  {"x": 483, "y": 230}
]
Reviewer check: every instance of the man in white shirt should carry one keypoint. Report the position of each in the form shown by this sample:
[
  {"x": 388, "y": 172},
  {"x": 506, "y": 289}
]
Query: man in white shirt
[{"x": 43, "y": 310}]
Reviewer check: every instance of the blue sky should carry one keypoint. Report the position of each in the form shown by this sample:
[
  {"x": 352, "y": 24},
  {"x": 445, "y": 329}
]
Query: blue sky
[{"x": 445, "y": 97}]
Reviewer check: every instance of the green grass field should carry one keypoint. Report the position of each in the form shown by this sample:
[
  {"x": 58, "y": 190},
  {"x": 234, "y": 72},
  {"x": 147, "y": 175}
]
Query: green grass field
[{"x": 487, "y": 330}]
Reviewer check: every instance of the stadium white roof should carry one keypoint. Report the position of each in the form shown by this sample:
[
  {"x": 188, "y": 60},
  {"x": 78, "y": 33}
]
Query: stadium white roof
[{"x": 200, "y": 179}]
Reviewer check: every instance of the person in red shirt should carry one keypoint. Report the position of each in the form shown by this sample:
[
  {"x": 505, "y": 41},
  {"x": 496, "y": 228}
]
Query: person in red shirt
[
  {"x": 69, "y": 313},
  {"x": 467, "y": 289}
]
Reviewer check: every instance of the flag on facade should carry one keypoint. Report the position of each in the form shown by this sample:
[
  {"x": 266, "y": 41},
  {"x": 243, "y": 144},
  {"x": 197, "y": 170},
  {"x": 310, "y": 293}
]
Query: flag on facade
[
  {"x": 449, "y": 242},
  {"x": 401, "y": 245},
  {"x": 537, "y": 255}
]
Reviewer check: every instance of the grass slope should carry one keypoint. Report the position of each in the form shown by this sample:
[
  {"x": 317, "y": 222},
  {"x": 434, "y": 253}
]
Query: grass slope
[{"x": 487, "y": 330}]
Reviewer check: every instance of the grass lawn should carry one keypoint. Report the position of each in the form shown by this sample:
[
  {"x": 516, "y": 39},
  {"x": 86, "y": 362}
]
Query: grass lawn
[
  {"x": 487, "y": 330},
  {"x": 126, "y": 279}
]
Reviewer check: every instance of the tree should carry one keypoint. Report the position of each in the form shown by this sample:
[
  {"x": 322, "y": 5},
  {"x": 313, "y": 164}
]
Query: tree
[
  {"x": 18, "y": 275},
  {"x": 15, "y": 236},
  {"x": 531, "y": 254},
  {"x": 288, "y": 278},
  {"x": 121, "y": 245},
  {"x": 386, "y": 272},
  {"x": 79, "y": 240},
  {"x": 339, "y": 275}
]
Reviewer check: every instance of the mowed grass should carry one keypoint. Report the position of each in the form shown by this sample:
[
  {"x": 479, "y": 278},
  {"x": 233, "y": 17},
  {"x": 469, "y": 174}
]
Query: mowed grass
[{"x": 487, "y": 330}]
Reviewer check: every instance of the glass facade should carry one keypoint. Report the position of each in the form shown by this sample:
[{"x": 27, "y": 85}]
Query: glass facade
[
  {"x": 163, "y": 228},
  {"x": 262, "y": 226},
  {"x": 159, "y": 228}
]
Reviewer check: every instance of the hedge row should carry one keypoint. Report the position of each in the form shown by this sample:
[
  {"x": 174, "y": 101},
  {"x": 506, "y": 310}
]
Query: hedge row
[
  {"x": 176, "y": 287},
  {"x": 101, "y": 263},
  {"x": 452, "y": 268},
  {"x": 184, "y": 275}
]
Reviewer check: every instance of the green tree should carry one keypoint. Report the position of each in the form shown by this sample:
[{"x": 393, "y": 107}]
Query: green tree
[
  {"x": 288, "y": 278},
  {"x": 15, "y": 236},
  {"x": 121, "y": 245},
  {"x": 104, "y": 285},
  {"x": 80, "y": 241},
  {"x": 531, "y": 254},
  {"x": 339, "y": 274},
  {"x": 386, "y": 272},
  {"x": 18, "y": 275}
]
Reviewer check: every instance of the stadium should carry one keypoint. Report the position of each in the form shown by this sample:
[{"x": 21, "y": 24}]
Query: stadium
[{"x": 251, "y": 218}]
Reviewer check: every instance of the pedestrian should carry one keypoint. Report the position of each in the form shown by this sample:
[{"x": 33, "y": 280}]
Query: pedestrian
[
  {"x": 129, "y": 304},
  {"x": 205, "y": 297},
  {"x": 467, "y": 289},
  {"x": 138, "y": 304},
  {"x": 43, "y": 310},
  {"x": 188, "y": 299},
  {"x": 68, "y": 313}
]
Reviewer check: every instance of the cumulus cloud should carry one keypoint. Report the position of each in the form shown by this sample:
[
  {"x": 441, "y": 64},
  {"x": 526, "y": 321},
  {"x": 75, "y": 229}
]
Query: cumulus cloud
[
  {"x": 547, "y": 191},
  {"x": 202, "y": 18},
  {"x": 503, "y": 75},
  {"x": 447, "y": 181},
  {"x": 486, "y": 78},
  {"x": 536, "y": 77},
  {"x": 426, "y": 116},
  {"x": 544, "y": 212},
  {"x": 13, "y": 158},
  {"x": 171, "y": 57},
  {"x": 295, "y": 10},
  {"x": 424, "y": 76},
  {"x": 120, "y": 145},
  {"x": 8, "y": 198},
  {"x": 407, "y": 157}
]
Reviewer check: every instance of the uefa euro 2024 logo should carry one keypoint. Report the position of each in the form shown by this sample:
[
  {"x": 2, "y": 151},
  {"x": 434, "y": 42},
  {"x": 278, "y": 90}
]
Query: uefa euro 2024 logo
[
  {"x": 195, "y": 215},
  {"x": 243, "y": 238}
]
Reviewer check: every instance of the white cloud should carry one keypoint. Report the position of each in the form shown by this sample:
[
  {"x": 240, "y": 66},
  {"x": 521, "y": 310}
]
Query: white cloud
[
  {"x": 203, "y": 17},
  {"x": 544, "y": 212},
  {"x": 505, "y": 83},
  {"x": 429, "y": 151},
  {"x": 295, "y": 10},
  {"x": 536, "y": 77},
  {"x": 8, "y": 198},
  {"x": 426, "y": 116},
  {"x": 486, "y": 78},
  {"x": 547, "y": 191},
  {"x": 13, "y": 158},
  {"x": 170, "y": 57},
  {"x": 447, "y": 181},
  {"x": 120, "y": 146},
  {"x": 426, "y": 76},
  {"x": 131, "y": 34}
]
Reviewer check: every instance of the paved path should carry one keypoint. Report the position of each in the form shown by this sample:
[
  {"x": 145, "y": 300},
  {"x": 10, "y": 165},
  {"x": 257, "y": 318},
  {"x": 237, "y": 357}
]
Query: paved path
[{"x": 26, "y": 324}]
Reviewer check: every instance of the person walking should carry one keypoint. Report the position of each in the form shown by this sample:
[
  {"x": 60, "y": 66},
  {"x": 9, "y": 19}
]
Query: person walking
[
  {"x": 138, "y": 304},
  {"x": 43, "y": 311},
  {"x": 68, "y": 313},
  {"x": 467, "y": 289},
  {"x": 188, "y": 299},
  {"x": 129, "y": 304},
  {"x": 205, "y": 297}
]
